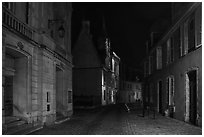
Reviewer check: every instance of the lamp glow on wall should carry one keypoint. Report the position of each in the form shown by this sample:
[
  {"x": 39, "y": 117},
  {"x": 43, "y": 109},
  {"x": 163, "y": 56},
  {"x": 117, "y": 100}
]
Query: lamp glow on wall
[{"x": 61, "y": 29}]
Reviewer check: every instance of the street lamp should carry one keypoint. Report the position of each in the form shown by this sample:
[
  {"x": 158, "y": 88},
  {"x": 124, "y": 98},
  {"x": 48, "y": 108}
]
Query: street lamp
[{"x": 61, "y": 29}]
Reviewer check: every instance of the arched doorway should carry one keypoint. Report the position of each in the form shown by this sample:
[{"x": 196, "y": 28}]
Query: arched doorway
[
  {"x": 191, "y": 97},
  {"x": 15, "y": 83}
]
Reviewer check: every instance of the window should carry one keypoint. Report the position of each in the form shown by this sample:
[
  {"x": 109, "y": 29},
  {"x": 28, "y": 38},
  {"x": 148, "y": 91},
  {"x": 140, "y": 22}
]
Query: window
[
  {"x": 104, "y": 95},
  {"x": 48, "y": 97},
  {"x": 159, "y": 58},
  {"x": 69, "y": 96},
  {"x": 151, "y": 93},
  {"x": 170, "y": 91},
  {"x": 150, "y": 64},
  {"x": 113, "y": 65},
  {"x": 177, "y": 40},
  {"x": 198, "y": 26},
  {"x": 153, "y": 67},
  {"x": 181, "y": 46},
  {"x": 10, "y": 6},
  {"x": 145, "y": 69},
  {"x": 27, "y": 12},
  {"x": 185, "y": 37},
  {"x": 48, "y": 107},
  {"x": 191, "y": 34},
  {"x": 170, "y": 51},
  {"x": 48, "y": 101}
]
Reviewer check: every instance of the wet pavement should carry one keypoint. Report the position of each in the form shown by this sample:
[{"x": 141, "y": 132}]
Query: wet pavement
[{"x": 115, "y": 120}]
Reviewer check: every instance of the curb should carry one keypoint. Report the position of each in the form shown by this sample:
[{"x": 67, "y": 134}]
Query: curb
[{"x": 61, "y": 121}]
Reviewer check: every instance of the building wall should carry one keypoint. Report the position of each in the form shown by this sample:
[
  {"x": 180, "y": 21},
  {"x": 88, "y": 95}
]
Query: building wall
[
  {"x": 35, "y": 81},
  {"x": 87, "y": 87},
  {"x": 179, "y": 70},
  {"x": 184, "y": 60},
  {"x": 130, "y": 92},
  {"x": 93, "y": 79}
]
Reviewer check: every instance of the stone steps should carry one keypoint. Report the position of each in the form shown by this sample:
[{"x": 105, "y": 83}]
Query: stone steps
[
  {"x": 60, "y": 118},
  {"x": 18, "y": 126},
  {"x": 15, "y": 124},
  {"x": 12, "y": 131},
  {"x": 29, "y": 129},
  {"x": 11, "y": 119}
]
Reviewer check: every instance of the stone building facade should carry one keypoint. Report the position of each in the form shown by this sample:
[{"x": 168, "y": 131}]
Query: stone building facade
[
  {"x": 173, "y": 67},
  {"x": 94, "y": 80},
  {"x": 115, "y": 76},
  {"x": 36, "y": 62},
  {"x": 130, "y": 92}
]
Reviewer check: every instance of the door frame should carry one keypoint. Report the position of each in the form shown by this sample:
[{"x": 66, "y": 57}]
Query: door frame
[
  {"x": 28, "y": 79},
  {"x": 158, "y": 95},
  {"x": 187, "y": 95}
]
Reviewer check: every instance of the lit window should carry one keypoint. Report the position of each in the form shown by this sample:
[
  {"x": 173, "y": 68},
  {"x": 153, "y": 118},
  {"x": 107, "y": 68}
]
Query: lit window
[{"x": 113, "y": 65}]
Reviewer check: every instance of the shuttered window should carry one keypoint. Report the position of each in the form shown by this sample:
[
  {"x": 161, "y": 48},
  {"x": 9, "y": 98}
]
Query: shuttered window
[{"x": 198, "y": 26}]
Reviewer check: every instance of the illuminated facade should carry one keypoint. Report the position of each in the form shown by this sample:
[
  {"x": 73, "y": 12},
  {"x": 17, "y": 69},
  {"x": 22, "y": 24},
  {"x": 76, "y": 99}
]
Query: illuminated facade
[
  {"x": 130, "y": 92},
  {"x": 36, "y": 64},
  {"x": 93, "y": 78},
  {"x": 173, "y": 67}
]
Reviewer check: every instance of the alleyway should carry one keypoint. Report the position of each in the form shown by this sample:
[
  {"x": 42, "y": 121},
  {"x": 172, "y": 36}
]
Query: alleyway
[{"x": 114, "y": 120}]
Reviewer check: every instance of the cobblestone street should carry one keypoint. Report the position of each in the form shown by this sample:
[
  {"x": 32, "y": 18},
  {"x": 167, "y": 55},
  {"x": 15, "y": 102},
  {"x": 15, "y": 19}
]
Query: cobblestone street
[{"x": 115, "y": 120}]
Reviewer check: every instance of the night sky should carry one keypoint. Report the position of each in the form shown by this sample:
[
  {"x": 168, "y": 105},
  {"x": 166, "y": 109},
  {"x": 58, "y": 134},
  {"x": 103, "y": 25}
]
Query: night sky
[{"x": 128, "y": 25}]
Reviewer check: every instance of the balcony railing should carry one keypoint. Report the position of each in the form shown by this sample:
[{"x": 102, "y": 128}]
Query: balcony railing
[{"x": 9, "y": 20}]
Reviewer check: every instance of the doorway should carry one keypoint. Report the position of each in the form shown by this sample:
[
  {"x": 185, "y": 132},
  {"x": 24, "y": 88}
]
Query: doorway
[
  {"x": 159, "y": 89},
  {"x": 59, "y": 93},
  {"x": 15, "y": 86},
  {"x": 8, "y": 96},
  {"x": 170, "y": 96},
  {"x": 191, "y": 97}
]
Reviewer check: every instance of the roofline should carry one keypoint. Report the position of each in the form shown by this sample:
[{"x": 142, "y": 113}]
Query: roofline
[
  {"x": 172, "y": 28},
  {"x": 116, "y": 55}
]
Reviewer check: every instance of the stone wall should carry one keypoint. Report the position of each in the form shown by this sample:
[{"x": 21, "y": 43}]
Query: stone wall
[{"x": 35, "y": 83}]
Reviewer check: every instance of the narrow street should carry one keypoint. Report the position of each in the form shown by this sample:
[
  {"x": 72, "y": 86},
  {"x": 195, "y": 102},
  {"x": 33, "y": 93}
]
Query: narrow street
[{"x": 115, "y": 120}]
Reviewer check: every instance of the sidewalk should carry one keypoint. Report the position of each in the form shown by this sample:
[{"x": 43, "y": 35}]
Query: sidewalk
[
  {"x": 115, "y": 120},
  {"x": 161, "y": 125}
]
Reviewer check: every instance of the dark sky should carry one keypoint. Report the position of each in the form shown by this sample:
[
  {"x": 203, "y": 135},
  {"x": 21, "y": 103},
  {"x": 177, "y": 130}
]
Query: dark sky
[{"x": 128, "y": 24}]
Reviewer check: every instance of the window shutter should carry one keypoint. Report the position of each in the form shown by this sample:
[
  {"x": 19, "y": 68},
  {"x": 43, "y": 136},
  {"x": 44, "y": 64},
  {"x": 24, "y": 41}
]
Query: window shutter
[
  {"x": 198, "y": 26},
  {"x": 185, "y": 37}
]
